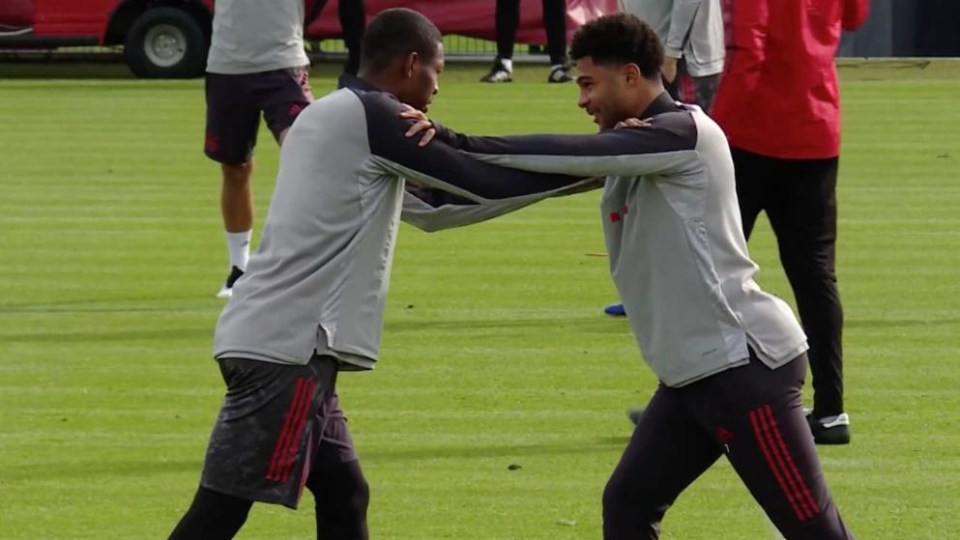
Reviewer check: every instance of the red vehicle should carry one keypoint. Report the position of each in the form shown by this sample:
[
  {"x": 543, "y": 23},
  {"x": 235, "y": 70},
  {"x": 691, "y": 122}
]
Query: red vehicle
[
  {"x": 170, "y": 38},
  {"x": 160, "y": 38}
]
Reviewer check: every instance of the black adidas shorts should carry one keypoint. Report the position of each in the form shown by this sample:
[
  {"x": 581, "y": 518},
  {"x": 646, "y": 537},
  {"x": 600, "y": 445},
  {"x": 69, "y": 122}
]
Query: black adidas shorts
[
  {"x": 278, "y": 422},
  {"x": 236, "y": 102}
]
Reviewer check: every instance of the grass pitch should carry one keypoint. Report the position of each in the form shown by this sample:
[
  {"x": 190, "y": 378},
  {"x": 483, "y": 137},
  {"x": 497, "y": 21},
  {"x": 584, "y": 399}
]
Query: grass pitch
[{"x": 495, "y": 351}]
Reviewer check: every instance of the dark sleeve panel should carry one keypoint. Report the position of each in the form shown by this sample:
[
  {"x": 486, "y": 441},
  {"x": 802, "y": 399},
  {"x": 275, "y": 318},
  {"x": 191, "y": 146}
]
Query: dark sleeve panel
[
  {"x": 437, "y": 197},
  {"x": 669, "y": 132},
  {"x": 385, "y": 130}
]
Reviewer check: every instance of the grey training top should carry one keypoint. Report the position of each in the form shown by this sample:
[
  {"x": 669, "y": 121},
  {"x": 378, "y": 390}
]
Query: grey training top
[
  {"x": 253, "y": 36},
  {"x": 672, "y": 225},
  {"x": 318, "y": 281},
  {"x": 691, "y": 29}
]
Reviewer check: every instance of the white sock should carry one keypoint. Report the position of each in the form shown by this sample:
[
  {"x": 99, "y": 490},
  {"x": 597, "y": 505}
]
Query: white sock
[
  {"x": 239, "y": 245},
  {"x": 556, "y": 67},
  {"x": 507, "y": 64}
]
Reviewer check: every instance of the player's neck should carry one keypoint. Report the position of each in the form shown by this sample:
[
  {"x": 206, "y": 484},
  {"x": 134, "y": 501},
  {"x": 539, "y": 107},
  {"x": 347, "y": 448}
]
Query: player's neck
[
  {"x": 646, "y": 97},
  {"x": 380, "y": 81},
  {"x": 369, "y": 78}
]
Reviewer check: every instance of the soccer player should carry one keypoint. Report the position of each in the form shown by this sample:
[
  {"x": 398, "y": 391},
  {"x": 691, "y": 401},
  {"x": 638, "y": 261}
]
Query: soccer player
[
  {"x": 779, "y": 104},
  {"x": 730, "y": 357},
  {"x": 312, "y": 300}
]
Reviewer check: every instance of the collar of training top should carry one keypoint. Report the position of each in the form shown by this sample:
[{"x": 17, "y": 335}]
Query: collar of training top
[
  {"x": 662, "y": 104},
  {"x": 351, "y": 81}
]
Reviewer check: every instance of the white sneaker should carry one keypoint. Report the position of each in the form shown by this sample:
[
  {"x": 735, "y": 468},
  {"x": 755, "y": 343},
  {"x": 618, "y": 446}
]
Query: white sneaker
[
  {"x": 833, "y": 421},
  {"x": 559, "y": 74},
  {"x": 830, "y": 430},
  {"x": 498, "y": 74},
  {"x": 227, "y": 290}
]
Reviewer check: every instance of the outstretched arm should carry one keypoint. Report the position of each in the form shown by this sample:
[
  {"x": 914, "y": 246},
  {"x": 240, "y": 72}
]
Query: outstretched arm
[
  {"x": 665, "y": 144},
  {"x": 440, "y": 166}
]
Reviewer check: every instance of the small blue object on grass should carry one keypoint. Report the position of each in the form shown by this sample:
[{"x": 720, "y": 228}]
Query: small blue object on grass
[{"x": 615, "y": 310}]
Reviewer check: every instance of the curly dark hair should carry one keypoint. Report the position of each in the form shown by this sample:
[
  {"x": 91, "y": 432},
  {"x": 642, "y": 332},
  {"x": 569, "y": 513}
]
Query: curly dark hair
[{"x": 619, "y": 39}]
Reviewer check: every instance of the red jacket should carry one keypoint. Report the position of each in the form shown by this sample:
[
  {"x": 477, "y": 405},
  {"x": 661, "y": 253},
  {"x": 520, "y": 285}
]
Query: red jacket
[{"x": 779, "y": 95}]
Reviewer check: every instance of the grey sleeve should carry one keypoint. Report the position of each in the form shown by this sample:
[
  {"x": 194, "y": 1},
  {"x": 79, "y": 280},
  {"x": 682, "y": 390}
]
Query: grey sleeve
[
  {"x": 681, "y": 22},
  {"x": 424, "y": 211},
  {"x": 667, "y": 146},
  {"x": 432, "y": 210}
]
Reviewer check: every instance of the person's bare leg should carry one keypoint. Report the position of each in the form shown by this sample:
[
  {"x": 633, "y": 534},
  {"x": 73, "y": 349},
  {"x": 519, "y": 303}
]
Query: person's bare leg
[
  {"x": 236, "y": 205},
  {"x": 236, "y": 198}
]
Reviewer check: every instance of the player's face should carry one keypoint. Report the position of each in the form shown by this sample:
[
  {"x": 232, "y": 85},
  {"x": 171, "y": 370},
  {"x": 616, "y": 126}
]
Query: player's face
[
  {"x": 423, "y": 82},
  {"x": 603, "y": 92}
]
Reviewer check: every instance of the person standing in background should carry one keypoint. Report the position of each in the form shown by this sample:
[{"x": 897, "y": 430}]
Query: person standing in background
[
  {"x": 693, "y": 43},
  {"x": 779, "y": 104},
  {"x": 256, "y": 66},
  {"x": 555, "y": 25},
  {"x": 353, "y": 18}
]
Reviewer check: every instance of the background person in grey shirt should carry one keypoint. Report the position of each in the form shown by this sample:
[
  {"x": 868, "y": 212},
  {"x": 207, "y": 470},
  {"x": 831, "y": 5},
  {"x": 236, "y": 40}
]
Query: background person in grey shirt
[
  {"x": 730, "y": 357},
  {"x": 256, "y": 66},
  {"x": 312, "y": 300},
  {"x": 694, "y": 50}
]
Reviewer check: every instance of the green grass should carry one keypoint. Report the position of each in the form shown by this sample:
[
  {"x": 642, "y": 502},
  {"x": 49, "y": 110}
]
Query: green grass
[{"x": 494, "y": 352}]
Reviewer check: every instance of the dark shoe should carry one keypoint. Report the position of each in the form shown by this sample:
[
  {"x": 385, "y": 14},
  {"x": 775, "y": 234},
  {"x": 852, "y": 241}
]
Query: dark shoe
[
  {"x": 830, "y": 430},
  {"x": 498, "y": 74},
  {"x": 615, "y": 310},
  {"x": 559, "y": 74},
  {"x": 227, "y": 290}
]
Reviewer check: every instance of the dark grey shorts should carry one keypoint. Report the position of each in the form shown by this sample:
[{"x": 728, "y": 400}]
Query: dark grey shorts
[
  {"x": 235, "y": 103},
  {"x": 277, "y": 423}
]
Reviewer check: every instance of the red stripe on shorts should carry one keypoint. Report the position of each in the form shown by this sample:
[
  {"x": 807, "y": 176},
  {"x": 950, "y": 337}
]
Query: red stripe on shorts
[
  {"x": 291, "y": 458},
  {"x": 286, "y": 432}
]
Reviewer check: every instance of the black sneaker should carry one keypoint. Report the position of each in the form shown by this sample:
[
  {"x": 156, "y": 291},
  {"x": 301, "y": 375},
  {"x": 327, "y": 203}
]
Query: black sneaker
[
  {"x": 559, "y": 74},
  {"x": 227, "y": 290},
  {"x": 498, "y": 74},
  {"x": 830, "y": 430}
]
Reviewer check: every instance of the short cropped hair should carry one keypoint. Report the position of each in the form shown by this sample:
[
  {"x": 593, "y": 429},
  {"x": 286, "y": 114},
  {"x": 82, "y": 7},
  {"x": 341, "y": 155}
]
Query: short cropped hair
[
  {"x": 395, "y": 33},
  {"x": 619, "y": 39}
]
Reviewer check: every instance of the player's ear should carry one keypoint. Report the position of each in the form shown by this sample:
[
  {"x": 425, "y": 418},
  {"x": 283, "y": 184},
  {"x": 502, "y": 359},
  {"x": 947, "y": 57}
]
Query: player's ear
[
  {"x": 410, "y": 63},
  {"x": 631, "y": 73}
]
